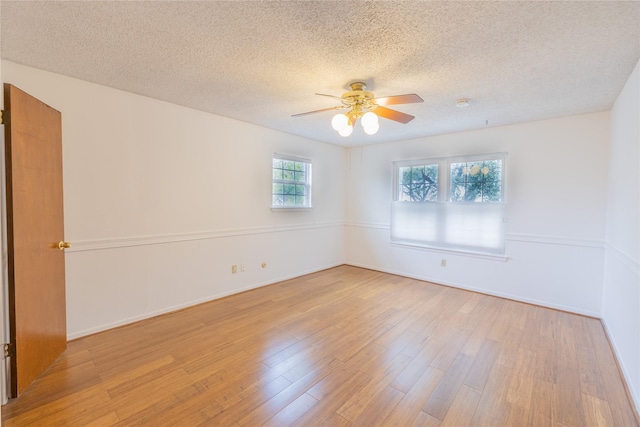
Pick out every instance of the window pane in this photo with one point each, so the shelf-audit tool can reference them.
(277, 188)
(287, 175)
(417, 173)
(479, 181)
(277, 174)
(300, 177)
(287, 164)
(458, 172)
(403, 194)
(473, 191)
(405, 175)
(299, 190)
(475, 174)
(492, 196)
(289, 200)
(277, 163)
(418, 183)
(457, 192)
(493, 170)
(289, 189)
(277, 200)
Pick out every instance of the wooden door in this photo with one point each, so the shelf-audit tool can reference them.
(35, 226)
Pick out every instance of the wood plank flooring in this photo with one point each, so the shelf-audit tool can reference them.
(341, 347)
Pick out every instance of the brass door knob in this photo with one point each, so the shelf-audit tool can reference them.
(63, 245)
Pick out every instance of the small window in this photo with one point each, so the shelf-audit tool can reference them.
(291, 182)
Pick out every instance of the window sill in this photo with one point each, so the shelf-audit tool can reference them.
(290, 209)
(472, 254)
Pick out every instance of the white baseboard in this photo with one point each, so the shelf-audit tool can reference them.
(540, 303)
(150, 314)
(633, 397)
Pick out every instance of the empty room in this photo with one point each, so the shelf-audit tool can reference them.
(331, 213)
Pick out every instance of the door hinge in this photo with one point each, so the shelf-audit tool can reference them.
(9, 350)
(4, 117)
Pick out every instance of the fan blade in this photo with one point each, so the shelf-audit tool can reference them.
(339, 107)
(394, 115)
(330, 96)
(410, 98)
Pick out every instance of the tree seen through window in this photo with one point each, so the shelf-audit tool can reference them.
(418, 183)
(477, 181)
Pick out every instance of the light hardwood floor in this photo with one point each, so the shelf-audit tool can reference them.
(342, 347)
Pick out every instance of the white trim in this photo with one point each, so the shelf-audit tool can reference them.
(123, 242)
(456, 158)
(363, 224)
(472, 254)
(291, 208)
(625, 375)
(554, 240)
(625, 259)
(515, 237)
(481, 290)
(291, 158)
(166, 310)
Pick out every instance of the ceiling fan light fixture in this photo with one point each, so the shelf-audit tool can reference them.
(361, 104)
(346, 131)
(339, 122)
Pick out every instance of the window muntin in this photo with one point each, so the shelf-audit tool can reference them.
(291, 182)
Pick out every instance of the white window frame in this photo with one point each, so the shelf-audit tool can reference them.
(308, 166)
(440, 210)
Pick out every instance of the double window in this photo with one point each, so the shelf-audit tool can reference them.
(450, 203)
(291, 182)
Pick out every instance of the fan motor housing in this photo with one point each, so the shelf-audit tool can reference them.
(358, 96)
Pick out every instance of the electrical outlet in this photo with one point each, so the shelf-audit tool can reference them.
(242, 269)
(234, 269)
(443, 263)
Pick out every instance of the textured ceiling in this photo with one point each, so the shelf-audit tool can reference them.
(261, 62)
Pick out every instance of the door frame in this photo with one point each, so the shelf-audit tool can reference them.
(5, 366)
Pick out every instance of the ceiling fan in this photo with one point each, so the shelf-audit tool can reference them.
(363, 104)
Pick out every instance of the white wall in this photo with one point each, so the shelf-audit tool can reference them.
(556, 192)
(160, 201)
(621, 293)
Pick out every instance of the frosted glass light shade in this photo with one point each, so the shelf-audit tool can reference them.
(370, 123)
(346, 131)
(339, 122)
(371, 129)
(369, 119)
